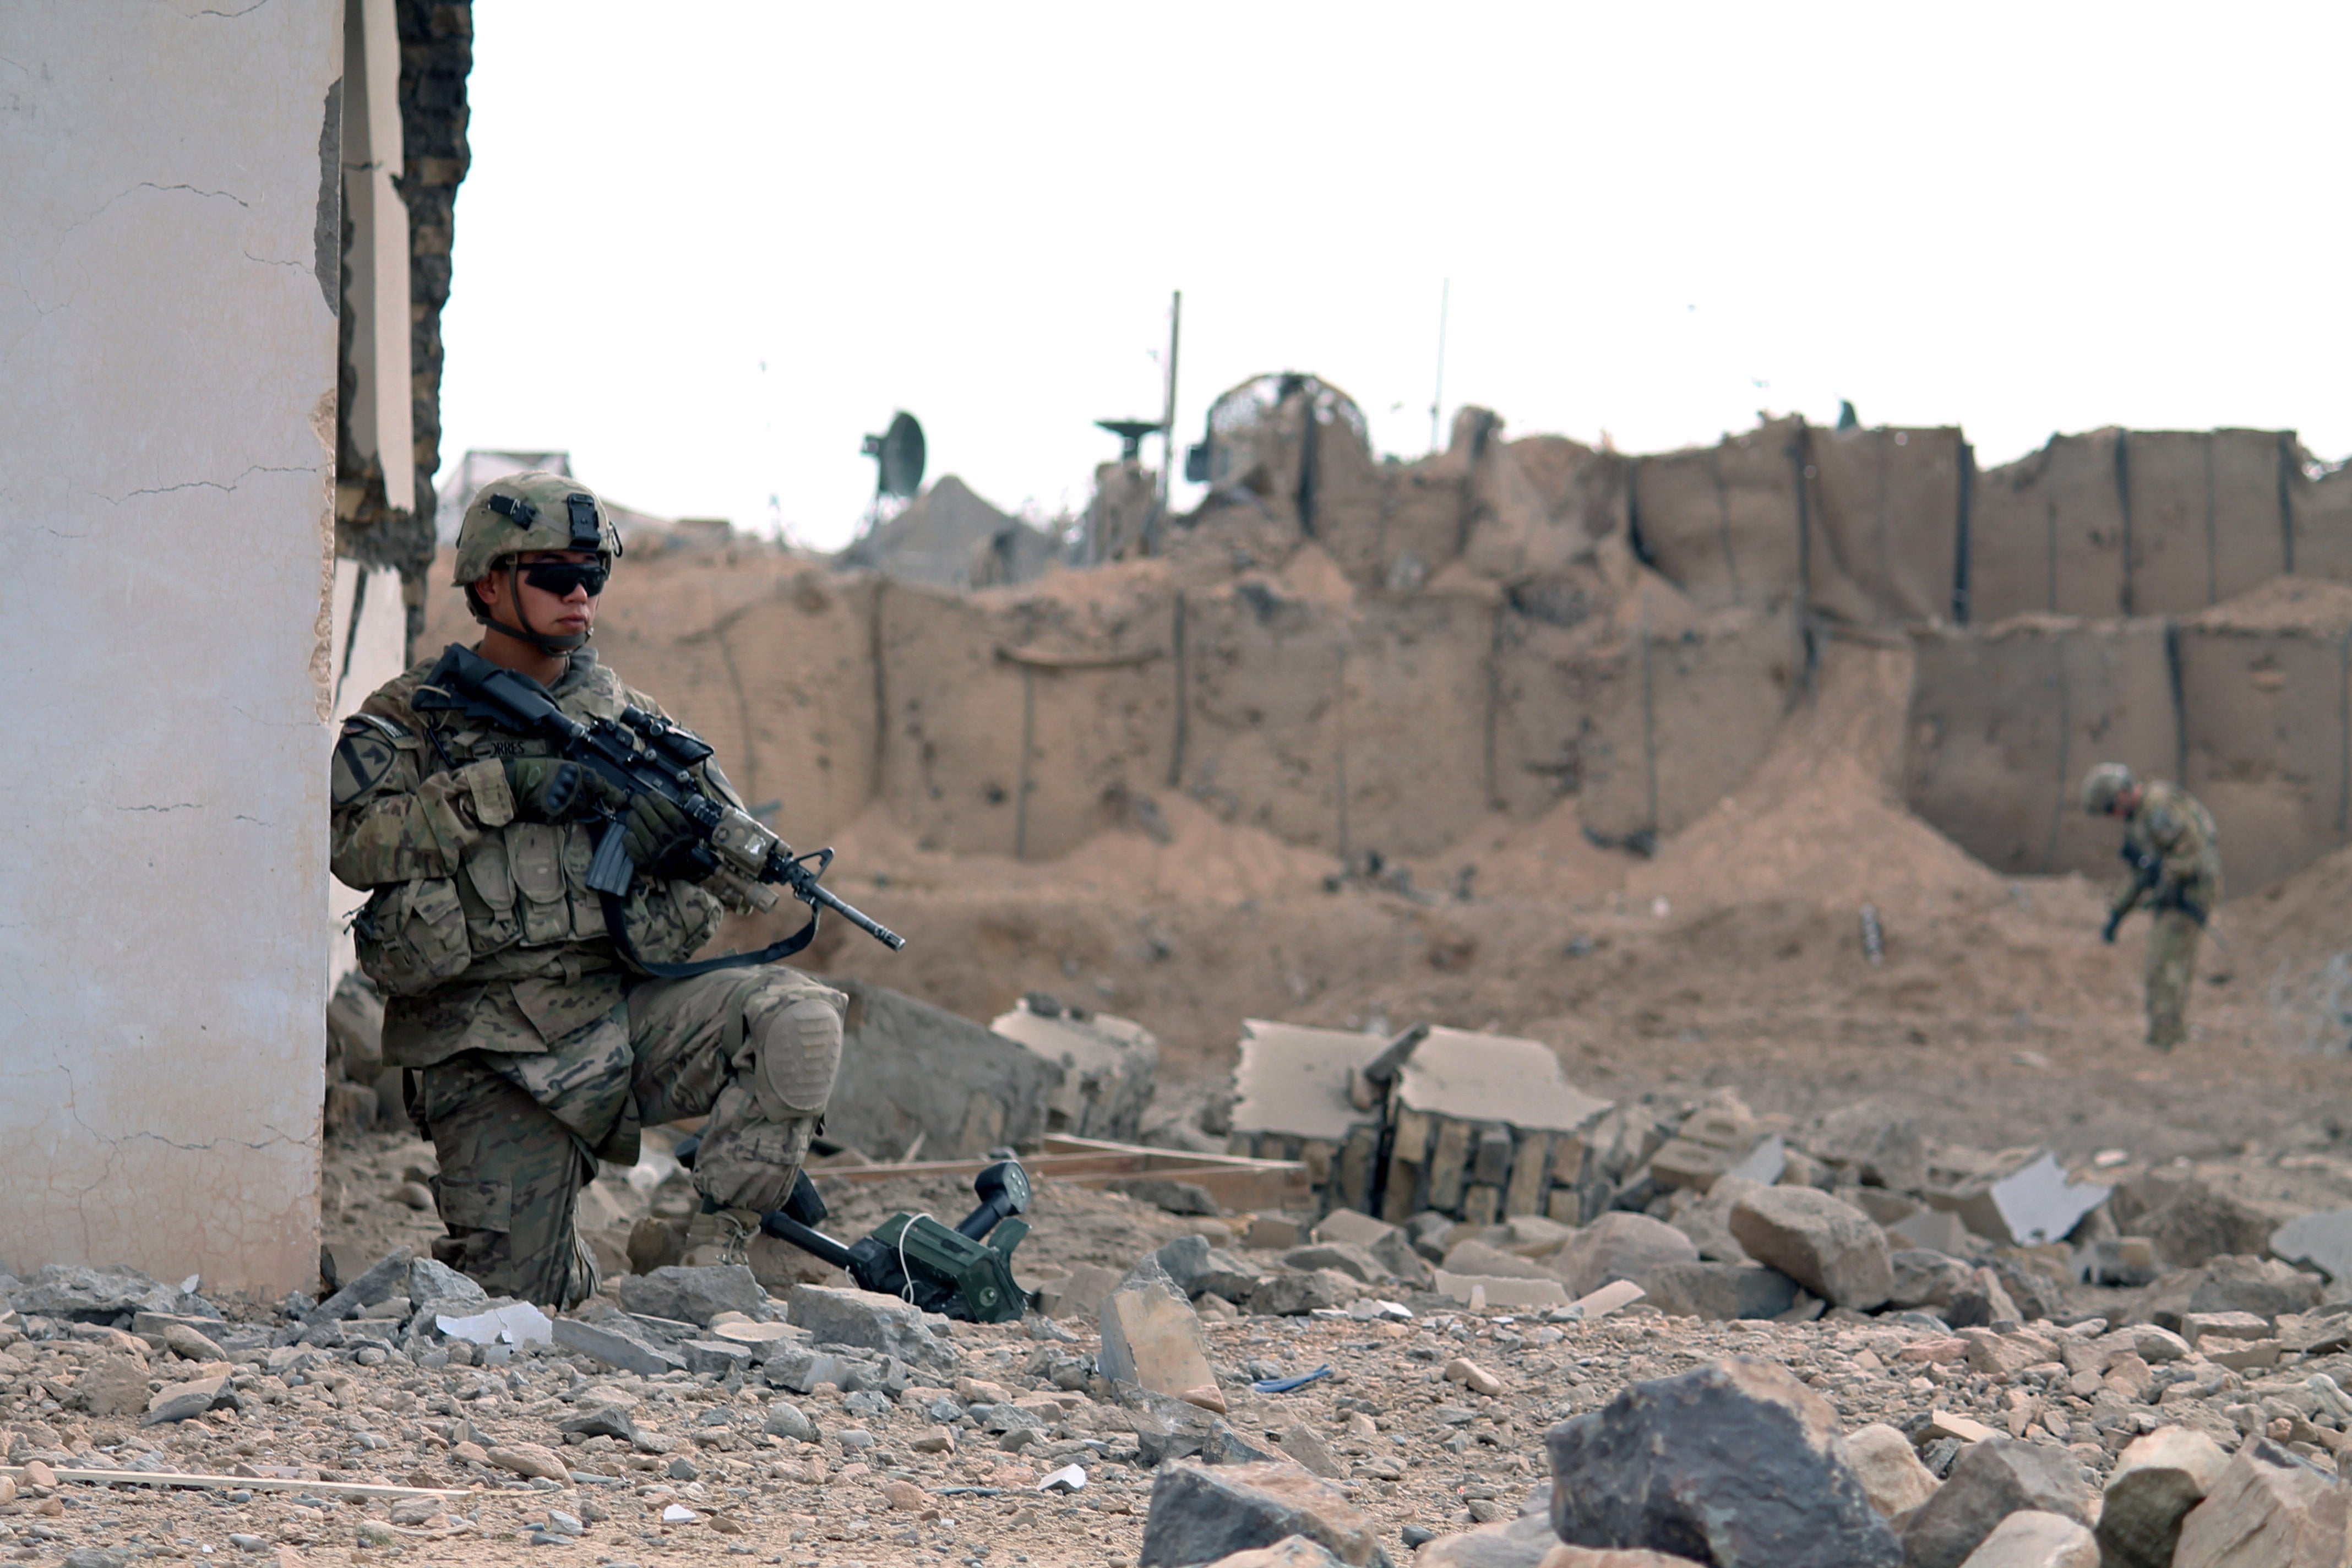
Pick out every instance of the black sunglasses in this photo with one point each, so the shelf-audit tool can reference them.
(560, 577)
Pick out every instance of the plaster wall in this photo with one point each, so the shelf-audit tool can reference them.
(168, 270)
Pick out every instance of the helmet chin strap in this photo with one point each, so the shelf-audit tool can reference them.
(543, 641)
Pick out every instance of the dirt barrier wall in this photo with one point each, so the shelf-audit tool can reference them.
(2250, 704)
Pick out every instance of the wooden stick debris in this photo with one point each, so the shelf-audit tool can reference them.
(232, 1483)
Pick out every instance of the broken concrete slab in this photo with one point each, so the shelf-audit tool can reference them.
(1199, 1514)
(2035, 1204)
(1990, 1481)
(2323, 1240)
(694, 1294)
(1295, 1295)
(92, 1295)
(1738, 1457)
(617, 1344)
(1080, 1293)
(1353, 1261)
(869, 1321)
(1471, 1077)
(1150, 1336)
(1475, 1256)
(1478, 1290)
(1294, 1081)
(1831, 1249)
(1109, 1066)
(2157, 1480)
(909, 1070)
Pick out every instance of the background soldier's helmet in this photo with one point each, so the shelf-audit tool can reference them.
(2103, 786)
(527, 512)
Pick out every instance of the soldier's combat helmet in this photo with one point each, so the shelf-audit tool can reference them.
(524, 512)
(2103, 786)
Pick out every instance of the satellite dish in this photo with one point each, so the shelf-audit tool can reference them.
(897, 455)
(1130, 434)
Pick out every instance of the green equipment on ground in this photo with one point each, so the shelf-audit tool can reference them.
(965, 1272)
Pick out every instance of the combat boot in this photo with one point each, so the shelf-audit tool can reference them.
(719, 1236)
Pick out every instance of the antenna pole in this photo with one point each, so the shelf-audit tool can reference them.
(1168, 415)
(1437, 399)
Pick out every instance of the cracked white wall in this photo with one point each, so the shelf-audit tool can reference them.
(167, 349)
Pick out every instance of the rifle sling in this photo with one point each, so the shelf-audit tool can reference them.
(617, 927)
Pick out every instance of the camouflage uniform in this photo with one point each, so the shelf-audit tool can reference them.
(533, 1049)
(2172, 828)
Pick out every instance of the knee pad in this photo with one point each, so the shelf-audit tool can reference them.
(799, 1047)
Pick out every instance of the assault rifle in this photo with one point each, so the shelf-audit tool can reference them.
(2147, 873)
(642, 754)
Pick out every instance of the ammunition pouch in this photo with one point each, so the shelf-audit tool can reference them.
(411, 936)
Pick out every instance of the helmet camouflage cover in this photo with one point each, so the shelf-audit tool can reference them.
(527, 512)
(2103, 786)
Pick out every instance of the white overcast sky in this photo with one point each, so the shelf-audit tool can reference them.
(708, 246)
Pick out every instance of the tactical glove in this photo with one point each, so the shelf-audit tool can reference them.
(657, 834)
(549, 789)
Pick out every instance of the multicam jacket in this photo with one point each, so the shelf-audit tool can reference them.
(2173, 828)
(480, 928)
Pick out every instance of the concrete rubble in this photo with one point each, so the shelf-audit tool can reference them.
(1315, 1399)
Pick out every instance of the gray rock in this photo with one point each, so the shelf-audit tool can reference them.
(1925, 1278)
(2263, 1286)
(2323, 1240)
(1168, 1429)
(870, 1322)
(1834, 1251)
(1356, 1262)
(1293, 1295)
(694, 1295)
(1425, 1232)
(182, 1401)
(615, 1345)
(1396, 1255)
(1299, 1441)
(92, 1295)
(1990, 1481)
(1001, 1418)
(1196, 1266)
(1722, 1292)
(2158, 1480)
(1708, 1221)
(715, 1358)
(430, 1279)
(603, 1421)
(386, 1278)
(1737, 1465)
(1522, 1543)
(801, 1369)
(1169, 1196)
(1878, 1143)
(2195, 1222)
(1476, 1256)
(1619, 1245)
(787, 1420)
(94, 1557)
(1201, 1514)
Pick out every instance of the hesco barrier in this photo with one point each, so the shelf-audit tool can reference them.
(2005, 722)
(1480, 647)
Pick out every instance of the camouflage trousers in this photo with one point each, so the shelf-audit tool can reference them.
(2171, 967)
(518, 1136)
